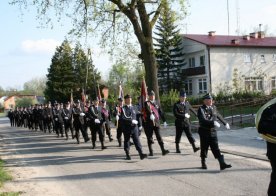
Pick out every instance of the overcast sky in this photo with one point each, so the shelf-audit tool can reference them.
(26, 50)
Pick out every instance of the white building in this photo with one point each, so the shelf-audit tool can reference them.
(213, 60)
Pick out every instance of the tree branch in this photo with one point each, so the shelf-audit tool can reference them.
(156, 15)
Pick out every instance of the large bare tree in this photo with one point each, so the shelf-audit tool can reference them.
(115, 21)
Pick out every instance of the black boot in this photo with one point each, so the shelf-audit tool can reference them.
(110, 137)
(177, 148)
(150, 149)
(164, 151)
(203, 164)
(194, 147)
(103, 147)
(93, 145)
(120, 143)
(127, 156)
(222, 164)
(142, 156)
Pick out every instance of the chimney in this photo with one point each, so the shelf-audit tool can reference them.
(261, 34)
(235, 41)
(254, 35)
(246, 37)
(211, 33)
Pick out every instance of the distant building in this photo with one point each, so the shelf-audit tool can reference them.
(8, 102)
(212, 61)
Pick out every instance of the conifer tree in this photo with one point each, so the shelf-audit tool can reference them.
(168, 49)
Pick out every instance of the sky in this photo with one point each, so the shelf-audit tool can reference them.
(26, 50)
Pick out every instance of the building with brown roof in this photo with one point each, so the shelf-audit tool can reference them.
(213, 61)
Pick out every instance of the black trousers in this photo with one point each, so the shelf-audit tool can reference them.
(132, 132)
(272, 185)
(94, 129)
(149, 129)
(208, 139)
(119, 132)
(80, 127)
(179, 130)
(58, 127)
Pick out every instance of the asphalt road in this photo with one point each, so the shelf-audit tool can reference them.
(45, 165)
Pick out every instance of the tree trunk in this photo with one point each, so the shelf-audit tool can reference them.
(150, 66)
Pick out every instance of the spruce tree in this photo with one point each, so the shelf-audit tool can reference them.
(60, 79)
(168, 49)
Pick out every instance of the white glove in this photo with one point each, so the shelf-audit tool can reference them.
(165, 124)
(82, 114)
(117, 117)
(227, 126)
(152, 117)
(97, 121)
(56, 119)
(216, 123)
(140, 128)
(66, 118)
(134, 122)
(187, 115)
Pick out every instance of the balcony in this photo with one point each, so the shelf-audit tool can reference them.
(194, 71)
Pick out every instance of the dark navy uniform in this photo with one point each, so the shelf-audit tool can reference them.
(79, 123)
(96, 125)
(181, 112)
(130, 129)
(208, 116)
(58, 121)
(106, 120)
(267, 125)
(153, 110)
(117, 113)
(67, 119)
(11, 117)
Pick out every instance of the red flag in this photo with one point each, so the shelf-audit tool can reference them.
(143, 97)
(99, 93)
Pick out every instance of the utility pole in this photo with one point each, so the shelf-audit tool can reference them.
(228, 17)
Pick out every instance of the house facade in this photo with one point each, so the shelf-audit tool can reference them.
(213, 62)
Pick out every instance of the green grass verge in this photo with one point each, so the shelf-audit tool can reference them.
(4, 175)
(10, 194)
(3, 115)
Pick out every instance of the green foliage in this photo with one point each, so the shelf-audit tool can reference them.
(168, 51)
(35, 86)
(70, 71)
(24, 102)
(10, 194)
(4, 176)
(168, 99)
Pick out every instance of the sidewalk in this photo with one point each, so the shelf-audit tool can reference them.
(244, 142)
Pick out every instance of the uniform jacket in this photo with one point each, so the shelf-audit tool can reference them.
(153, 108)
(128, 114)
(57, 115)
(207, 116)
(78, 119)
(179, 111)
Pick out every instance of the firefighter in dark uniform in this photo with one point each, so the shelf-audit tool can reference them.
(58, 120)
(117, 112)
(41, 117)
(181, 110)
(79, 122)
(106, 119)
(31, 118)
(48, 117)
(266, 126)
(208, 117)
(130, 128)
(66, 114)
(96, 123)
(152, 123)
(11, 117)
(35, 117)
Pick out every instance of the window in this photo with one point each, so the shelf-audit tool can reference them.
(274, 58)
(254, 84)
(273, 82)
(188, 87)
(192, 62)
(202, 86)
(202, 60)
(247, 58)
(262, 58)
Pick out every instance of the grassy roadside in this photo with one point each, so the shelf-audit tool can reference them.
(4, 177)
(2, 115)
